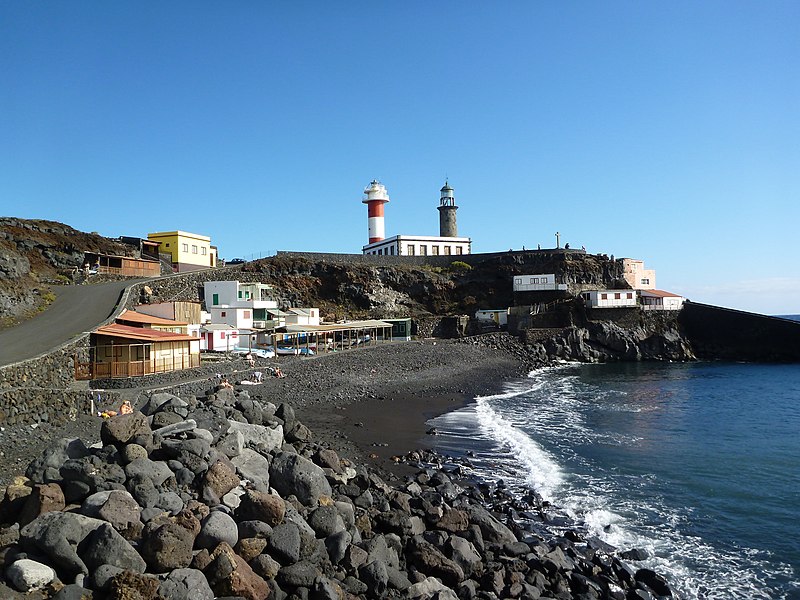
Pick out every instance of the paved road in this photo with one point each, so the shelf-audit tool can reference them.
(76, 309)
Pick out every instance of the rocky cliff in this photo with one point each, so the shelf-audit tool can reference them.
(35, 255)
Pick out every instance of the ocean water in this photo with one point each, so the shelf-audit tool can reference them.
(697, 463)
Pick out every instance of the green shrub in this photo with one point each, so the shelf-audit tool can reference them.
(460, 265)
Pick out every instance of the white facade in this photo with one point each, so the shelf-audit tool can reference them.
(637, 276)
(302, 316)
(233, 293)
(537, 283)
(218, 338)
(661, 300)
(238, 317)
(419, 245)
(497, 316)
(610, 298)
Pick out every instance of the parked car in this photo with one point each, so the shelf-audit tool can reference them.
(236, 261)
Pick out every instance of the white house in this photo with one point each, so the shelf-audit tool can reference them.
(537, 283)
(302, 316)
(248, 302)
(218, 337)
(660, 300)
(610, 298)
(238, 317)
(497, 316)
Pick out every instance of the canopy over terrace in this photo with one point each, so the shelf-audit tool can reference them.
(330, 336)
(118, 350)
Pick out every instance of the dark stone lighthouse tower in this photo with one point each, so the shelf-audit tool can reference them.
(447, 213)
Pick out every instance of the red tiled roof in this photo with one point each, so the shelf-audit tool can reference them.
(136, 317)
(142, 333)
(660, 294)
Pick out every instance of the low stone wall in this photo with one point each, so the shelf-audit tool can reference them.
(24, 406)
(53, 370)
(171, 378)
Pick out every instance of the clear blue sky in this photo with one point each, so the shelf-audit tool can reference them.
(663, 131)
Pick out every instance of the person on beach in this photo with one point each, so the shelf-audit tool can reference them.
(278, 373)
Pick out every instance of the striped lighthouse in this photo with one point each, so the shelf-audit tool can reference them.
(375, 197)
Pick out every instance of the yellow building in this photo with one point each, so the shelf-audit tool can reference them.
(190, 251)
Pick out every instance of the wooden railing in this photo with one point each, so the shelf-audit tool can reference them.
(135, 368)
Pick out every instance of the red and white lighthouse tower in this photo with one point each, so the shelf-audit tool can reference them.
(375, 197)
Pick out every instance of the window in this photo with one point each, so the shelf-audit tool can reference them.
(459, 250)
(518, 281)
(194, 249)
(603, 296)
(240, 293)
(435, 250)
(391, 250)
(215, 299)
(380, 252)
(222, 335)
(645, 281)
(629, 295)
(185, 247)
(411, 249)
(617, 296)
(223, 314)
(167, 244)
(447, 249)
(203, 250)
(246, 314)
(423, 250)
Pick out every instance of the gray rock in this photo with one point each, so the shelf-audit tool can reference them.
(131, 452)
(428, 588)
(327, 589)
(215, 528)
(465, 555)
(325, 521)
(27, 575)
(375, 577)
(102, 576)
(231, 444)
(185, 584)
(170, 502)
(117, 507)
(301, 574)
(263, 439)
(57, 534)
(397, 579)
(291, 474)
(173, 429)
(254, 467)
(378, 549)
(73, 591)
(492, 529)
(143, 468)
(93, 471)
(284, 543)
(428, 559)
(163, 401)
(336, 545)
(105, 546)
(45, 468)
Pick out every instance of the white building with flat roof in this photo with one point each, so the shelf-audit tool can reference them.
(541, 282)
(610, 298)
(447, 243)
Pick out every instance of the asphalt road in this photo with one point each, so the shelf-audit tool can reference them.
(76, 309)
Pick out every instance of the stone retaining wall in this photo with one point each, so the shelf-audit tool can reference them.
(24, 406)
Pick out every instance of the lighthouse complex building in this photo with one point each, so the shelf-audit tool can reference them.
(446, 243)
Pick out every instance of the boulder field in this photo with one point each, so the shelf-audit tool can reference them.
(226, 496)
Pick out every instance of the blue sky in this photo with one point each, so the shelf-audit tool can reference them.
(662, 131)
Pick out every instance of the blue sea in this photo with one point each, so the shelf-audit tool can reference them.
(697, 463)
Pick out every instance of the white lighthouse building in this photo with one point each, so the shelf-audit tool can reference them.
(375, 197)
(446, 243)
